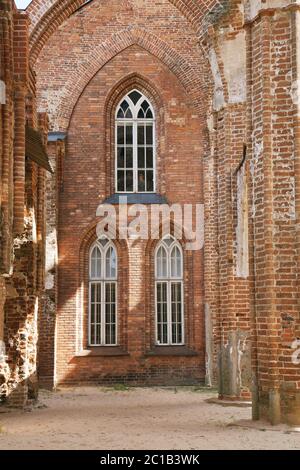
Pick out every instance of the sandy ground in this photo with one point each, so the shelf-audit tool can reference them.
(144, 419)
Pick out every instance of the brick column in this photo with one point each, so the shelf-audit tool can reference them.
(274, 170)
(21, 58)
(47, 323)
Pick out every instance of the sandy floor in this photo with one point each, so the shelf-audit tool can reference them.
(99, 418)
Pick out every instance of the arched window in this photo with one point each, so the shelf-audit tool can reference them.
(169, 292)
(103, 294)
(135, 145)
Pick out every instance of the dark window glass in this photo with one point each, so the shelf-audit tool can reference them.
(141, 181)
(121, 182)
(141, 157)
(149, 114)
(162, 316)
(110, 317)
(149, 157)
(120, 114)
(141, 136)
(129, 181)
(149, 135)
(121, 159)
(120, 137)
(128, 114)
(124, 106)
(150, 185)
(129, 157)
(145, 106)
(129, 136)
(134, 96)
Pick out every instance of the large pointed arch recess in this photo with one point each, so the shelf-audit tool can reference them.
(47, 15)
(79, 78)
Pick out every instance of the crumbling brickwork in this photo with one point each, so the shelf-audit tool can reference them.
(223, 76)
(22, 213)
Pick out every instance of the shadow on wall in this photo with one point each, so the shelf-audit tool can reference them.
(18, 367)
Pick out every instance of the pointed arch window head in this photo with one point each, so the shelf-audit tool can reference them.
(103, 294)
(135, 144)
(169, 293)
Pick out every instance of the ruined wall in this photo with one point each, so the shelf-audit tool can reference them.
(227, 288)
(273, 57)
(244, 56)
(22, 213)
(254, 56)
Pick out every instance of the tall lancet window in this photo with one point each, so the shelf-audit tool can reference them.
(169, 292)
(103, 294)
(135, 144)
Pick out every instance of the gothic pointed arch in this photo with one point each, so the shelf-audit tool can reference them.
(133, 81)
(48, 15)
(117, 43)
(90, 241)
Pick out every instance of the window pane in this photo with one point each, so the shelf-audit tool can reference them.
(121, 159)
(162, 313)
(149, 114)
(111, 263)
(149, 157)
(176, 312)
(176, 262)
(120, 135)
(96, 263)
(149, 135)
(161, 263)
(110, 314)
(141, 157)
(135, 96)
(124, 105)
(141, 114)
(129, 133)
(129, 157)
(121, 181)
(145, 105)
(120, 114)
(141, 138)
(128, 114)
(150, 182)
(141, 181)
(95, 309)
(129, 181)
(103, 242)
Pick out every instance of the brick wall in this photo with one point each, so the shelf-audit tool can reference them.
(22, 214)
(88, 147)
(225, 78)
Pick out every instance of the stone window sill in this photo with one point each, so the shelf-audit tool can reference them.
(137, 198)
(103, 351)
(171, 351)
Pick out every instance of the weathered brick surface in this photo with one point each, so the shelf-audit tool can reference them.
(22, 214)
(224, 79)
(249, 74)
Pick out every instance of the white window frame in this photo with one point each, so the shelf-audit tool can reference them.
(102, 281)
(135, 121)
(169, 281)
